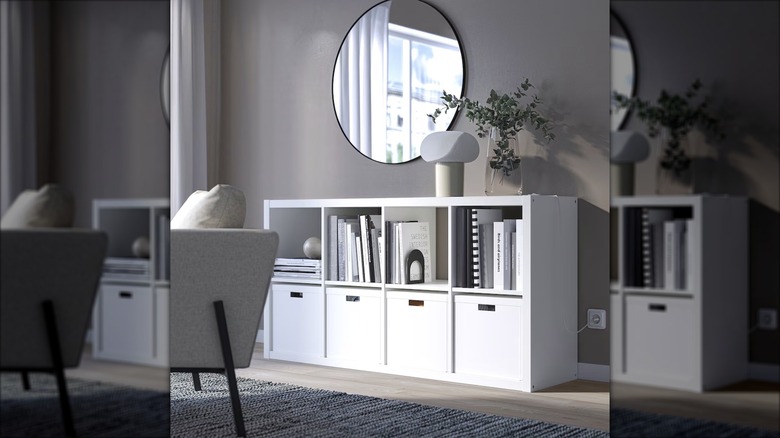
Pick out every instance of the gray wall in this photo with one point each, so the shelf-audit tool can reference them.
(281, 139)
(733, 48)
(109, 138)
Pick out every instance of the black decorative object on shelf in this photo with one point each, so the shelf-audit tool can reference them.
(415, 258)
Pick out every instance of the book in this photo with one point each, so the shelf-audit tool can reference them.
(415, 235)
(376, 238)
(333, 247)
(502, 268)
(486, 255)
(461, 236)
(367, 264)
(673, 237)
(479, 216)
(511, 255)
(519, 255)
(351, 231)
(343, 247)
(358, 264)
(652, 244)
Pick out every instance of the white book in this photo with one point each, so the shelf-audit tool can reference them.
(415, 235)
(351, 259)
(673, 232)
(689, 254)
(519, 255)
(359, 256)
(502, 268)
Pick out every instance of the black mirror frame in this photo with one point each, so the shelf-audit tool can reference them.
(463, 88)
(634, 86)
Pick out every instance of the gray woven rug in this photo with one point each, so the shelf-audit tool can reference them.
(99, 409)
(626, 423)
(282, 410)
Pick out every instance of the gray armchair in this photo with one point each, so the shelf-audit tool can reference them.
(49, 280)
(219, 283)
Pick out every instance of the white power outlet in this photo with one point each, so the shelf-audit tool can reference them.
(767, 319)
(597, 319)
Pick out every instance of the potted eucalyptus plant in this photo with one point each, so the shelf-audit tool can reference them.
(671, 118)
(500, 119)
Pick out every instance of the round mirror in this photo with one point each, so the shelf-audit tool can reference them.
(623, 68)
(390, 73)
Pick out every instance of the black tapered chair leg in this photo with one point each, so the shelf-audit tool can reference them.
(25, 380)
(230, 371)
(196, 381)
(57, 364)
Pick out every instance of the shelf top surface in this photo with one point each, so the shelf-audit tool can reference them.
(131, 203)
(411, 202)
(672, 200)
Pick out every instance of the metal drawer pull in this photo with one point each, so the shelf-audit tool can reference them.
(125, 294)
(486, 307)
(353, 298)
(296, 294)
(657, 307)
(417, 303)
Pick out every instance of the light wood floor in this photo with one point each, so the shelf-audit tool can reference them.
(578, 403)
(120, 373)
(750, 403)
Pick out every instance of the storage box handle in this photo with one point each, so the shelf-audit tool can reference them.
(486, 307)
(417, 303)
(125, 294)
(296, 294)
(353, 298)
(657, 307)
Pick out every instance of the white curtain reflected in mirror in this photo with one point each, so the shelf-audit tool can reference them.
(389, 75)
(362, 64)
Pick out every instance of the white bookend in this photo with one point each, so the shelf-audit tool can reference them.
(519, 255)
(415, 235)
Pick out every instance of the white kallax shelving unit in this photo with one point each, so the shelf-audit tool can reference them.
(130, 317)
(692, 337)
(523, 339)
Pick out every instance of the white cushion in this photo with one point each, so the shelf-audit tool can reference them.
(223, 206)
(50, 206)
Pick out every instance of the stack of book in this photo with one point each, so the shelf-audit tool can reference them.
(298, 268)
(355, 248)
(657, 243)
(402, 238)
(126, 268)
(489, 249)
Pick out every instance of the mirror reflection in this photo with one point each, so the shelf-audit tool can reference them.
(623, 68)
(390, 73)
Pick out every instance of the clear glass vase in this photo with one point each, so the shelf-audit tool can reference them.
(674, 182)
(496, 182)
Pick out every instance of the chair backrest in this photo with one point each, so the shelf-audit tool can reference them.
(61, 265)
(207, 265)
